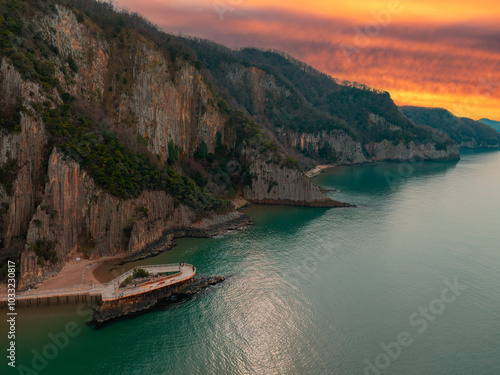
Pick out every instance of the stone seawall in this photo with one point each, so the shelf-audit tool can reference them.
(127, 306)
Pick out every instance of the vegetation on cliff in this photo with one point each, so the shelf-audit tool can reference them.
(25, 47)
(81, 78)
(491, 123)
(140, 110)
(465, 131)
(123, 172)
(45, 250)
(304, 100)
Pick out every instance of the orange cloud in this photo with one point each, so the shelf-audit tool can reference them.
(428, 53)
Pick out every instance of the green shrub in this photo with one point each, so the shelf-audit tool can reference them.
(138, 273)
(144, 211)
(173, 153)
(290, 162)
(201, 151)
(72, 64)
(8, 174)
(199, 180)
(45, 249)
(220, 149)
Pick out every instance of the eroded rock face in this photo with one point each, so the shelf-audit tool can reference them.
(343, 148)
(386, 150)
(25, 148)
(159, 106)
(294, 188)
(86, 45)
(29, 266)
(474, 143)
(165, 112)
(77, 215)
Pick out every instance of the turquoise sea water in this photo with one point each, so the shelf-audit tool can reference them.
(317, 291)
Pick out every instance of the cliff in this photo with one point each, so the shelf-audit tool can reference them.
(294, 187)
(79, 217)
(163, 101)
(388, 151)
(341, 148)
(313, 114)
(113, 141)
(335, 145)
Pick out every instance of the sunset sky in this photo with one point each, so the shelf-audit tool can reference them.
(429, 53)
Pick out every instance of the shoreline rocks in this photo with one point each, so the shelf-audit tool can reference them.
(208, 228)
(326, 203)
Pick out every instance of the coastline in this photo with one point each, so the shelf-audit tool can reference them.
(85, 272)
(207, 228)
(318, 170)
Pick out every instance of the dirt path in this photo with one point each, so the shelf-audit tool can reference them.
(74, 273)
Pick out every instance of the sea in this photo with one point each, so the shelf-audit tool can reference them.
(407, 282)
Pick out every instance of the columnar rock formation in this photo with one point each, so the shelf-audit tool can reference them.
(55, 201)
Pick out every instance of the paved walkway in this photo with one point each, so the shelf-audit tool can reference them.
(183, 273)
(111, 290)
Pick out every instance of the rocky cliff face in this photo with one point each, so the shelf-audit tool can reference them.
(78, 216)
(267, 96)
(85, 43)
(342, 148)
(347, 151)
(25, 148)
(262, 89)
(164, 112)
(474, 143)
(137, 86)
(265, 93)
(275, 183)
(388, 151)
